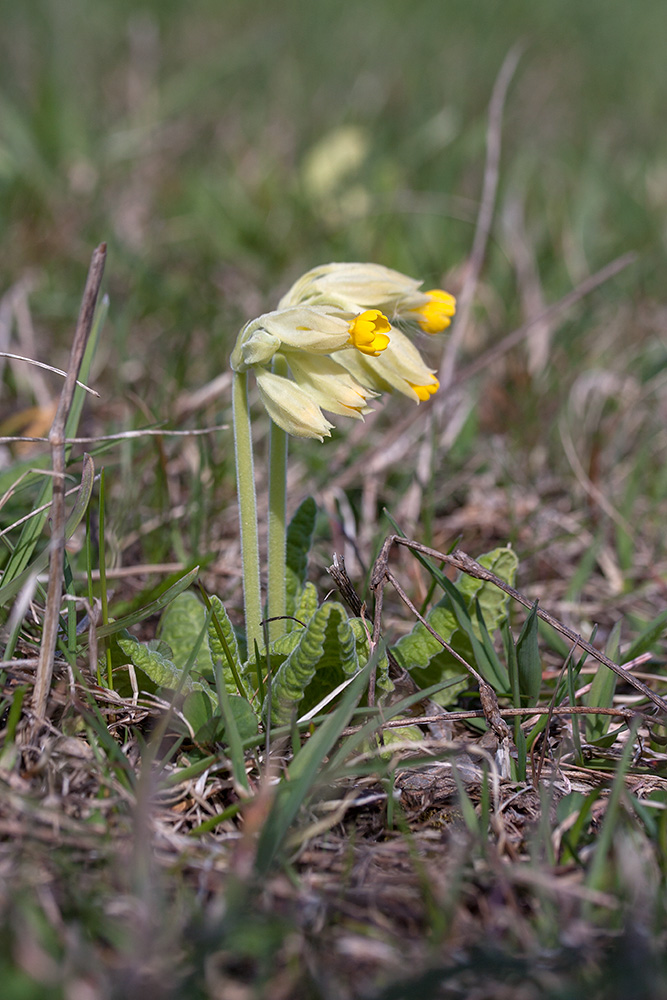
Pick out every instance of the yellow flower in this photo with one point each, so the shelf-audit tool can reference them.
(351, 287)
(337, 329)
(329, 385)
(368, 332)
(291, 407)
(436, 314)
(425, 391)
(314, 331)
(400, 367)
(354, 287)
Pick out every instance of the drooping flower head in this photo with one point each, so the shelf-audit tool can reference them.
(338, 329)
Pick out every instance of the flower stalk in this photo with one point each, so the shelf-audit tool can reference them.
(247, 500)
(278, 445)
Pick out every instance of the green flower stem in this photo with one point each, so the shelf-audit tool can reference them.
(278, 443)
(245, 485)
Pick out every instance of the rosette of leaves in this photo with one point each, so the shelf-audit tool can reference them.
(466, 617)
(197, 650)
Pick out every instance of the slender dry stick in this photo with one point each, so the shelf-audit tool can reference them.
(477, 254)
(463, 562)
(57, 443)
(507, 713)
(484, 220)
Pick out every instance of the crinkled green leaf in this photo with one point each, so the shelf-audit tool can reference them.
(307, 603)
(244, 716)
(399, 736)
(324, 657)
(153, 658)
(297, 549)
(209, 726)
(382, 680)
(455, 618)
(180, 626)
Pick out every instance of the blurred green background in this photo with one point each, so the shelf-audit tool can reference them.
(187, 135)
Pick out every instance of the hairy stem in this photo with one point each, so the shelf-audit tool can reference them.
(278, 443)
(245, 486)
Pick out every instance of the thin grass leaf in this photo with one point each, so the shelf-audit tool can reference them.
(598, 871)
(15, 575)
(498, 668)
(19, 564)
(648, 638)
(232, 736)
(572, 675)
(301, 773)
(528, 660)
(603, 686)
(14, 714)
(515, 687)
(470, 817)
(149, 609)
(104, 594)
(297, 549)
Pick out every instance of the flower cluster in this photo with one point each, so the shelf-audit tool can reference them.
(338, 330)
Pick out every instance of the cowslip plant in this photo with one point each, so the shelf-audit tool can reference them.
(339, 334)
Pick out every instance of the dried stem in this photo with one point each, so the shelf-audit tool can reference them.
(466, 564)
(484, 220)
(58, 443)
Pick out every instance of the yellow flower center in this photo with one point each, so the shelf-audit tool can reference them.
(425, 391)
(436, 314)
(368, 332)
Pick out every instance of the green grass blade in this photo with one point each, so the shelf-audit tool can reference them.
(149, 609)
(13, 583)
(528, 660)
(303, 770)
(652, 632)
(601, 694)
(232, 735)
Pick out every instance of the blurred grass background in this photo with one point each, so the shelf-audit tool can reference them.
(185, 135)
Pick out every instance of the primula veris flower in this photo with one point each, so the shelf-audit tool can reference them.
(436, 314)
(291, 407)
(368, 332)
(331, 386)
(338, 330)
(425, 392)
(312, 331)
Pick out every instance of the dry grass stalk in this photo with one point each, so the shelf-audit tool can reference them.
(57, 443)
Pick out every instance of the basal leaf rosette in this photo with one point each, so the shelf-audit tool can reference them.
(337, 330)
